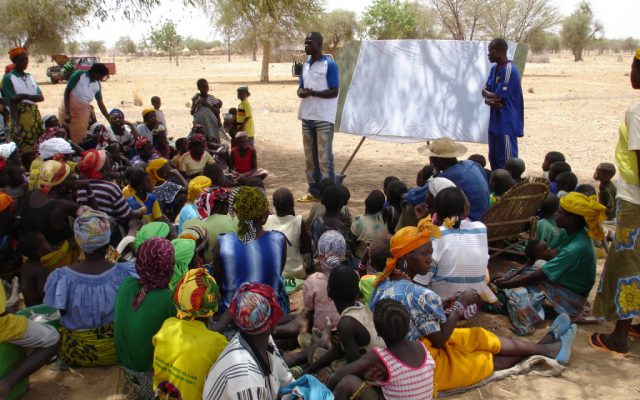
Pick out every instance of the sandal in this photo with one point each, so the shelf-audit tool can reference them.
(634, 331)
(596, 342)
(567, 340)
(308, 198)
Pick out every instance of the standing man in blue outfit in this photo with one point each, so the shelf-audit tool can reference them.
(319, 85)
(503, 93)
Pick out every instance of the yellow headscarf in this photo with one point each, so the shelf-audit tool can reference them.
(196, 187)
(147, 111)
(405, 241)
(53, 173)
(589, 208)
(638, 54)
(153, 168)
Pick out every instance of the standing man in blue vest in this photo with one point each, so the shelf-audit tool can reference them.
(503, 93)
(319, 84)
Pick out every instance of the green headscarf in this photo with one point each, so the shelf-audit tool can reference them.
(151, 230)
(184, 251)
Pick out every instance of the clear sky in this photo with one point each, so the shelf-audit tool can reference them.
(619, 17)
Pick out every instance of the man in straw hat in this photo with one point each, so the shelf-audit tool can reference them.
(469, 176)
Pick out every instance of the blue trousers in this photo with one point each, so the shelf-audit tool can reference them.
(317, 138)
(501, 148)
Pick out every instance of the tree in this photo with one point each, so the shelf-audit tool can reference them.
(197, 45)
(426, 21)
(629, 44)
(273, 22)
(125, 45)
(389, 19)
(461, 19)
(517, 20)
(166, 38)
(73, 47)
(579, 29)
(40, 25)
(338, 27)
(93, 47)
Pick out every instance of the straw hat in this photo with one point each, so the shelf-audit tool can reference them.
(443, 148)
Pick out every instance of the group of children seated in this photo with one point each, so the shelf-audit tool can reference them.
(172, 263)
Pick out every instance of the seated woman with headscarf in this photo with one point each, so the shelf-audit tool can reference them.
(168, 185)
(184, 348)
(251, 366)
(195, 188)
(564, 282)
(234, 260)
(22, 93)
(14, 182)
(192, 162)
(142, 306)
(82, 88)
(85, 294)
(121, 132)
(150, 125)
(54, 148)
(463, 356)
(49, 210)
(145, 152)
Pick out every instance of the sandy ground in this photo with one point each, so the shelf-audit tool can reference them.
(571, 107)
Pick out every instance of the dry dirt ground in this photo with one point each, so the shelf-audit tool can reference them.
(571, 107)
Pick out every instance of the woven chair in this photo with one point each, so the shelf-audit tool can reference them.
(512, 219)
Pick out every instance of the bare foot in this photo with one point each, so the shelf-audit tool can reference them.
(324, 339)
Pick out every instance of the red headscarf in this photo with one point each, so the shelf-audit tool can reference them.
(141, 141)
(91, 163)
(255, 308)
(154, 265)
(16, 51)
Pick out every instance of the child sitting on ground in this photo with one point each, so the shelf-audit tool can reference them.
(607, 190)
(556, 169)
(33, 245)
(547, 229)
(332, 219)
(586, 189)
(244, 161)
(481, 161)
(516, 167)
(499, 183)
(391, 214)
(346, 196)
(143, 198)
(182, 146)
(537, 252)
(550, 158)
(356, 333)
(385, 188)
(370, 226)
(376, 255)
(404, 369)
(566, 182)
(423, 175)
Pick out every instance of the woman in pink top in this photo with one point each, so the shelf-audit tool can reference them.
(404, 369)
(318, 306)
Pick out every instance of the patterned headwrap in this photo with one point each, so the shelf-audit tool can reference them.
(150, 230)
(184, 250)
(196, 187)
(589, 208)
(147, 111)
(141, 141)
(91, 164)
(154, 266)
(16, 51)
(53, 173)
(7, 149)
(255, 308)
(92, 230)
(196, 295)
(332, 249)
(198, 138)
(405, 241)
(207, 200)
(248, 204)
(153, 168)
(115, 111)
(197, 234)
(5, 201)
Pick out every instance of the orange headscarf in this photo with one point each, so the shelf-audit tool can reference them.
(5, 201)
(16, 51)
(405, 241)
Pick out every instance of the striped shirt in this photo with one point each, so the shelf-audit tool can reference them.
(404, 381)
(109, 199)
(238, 375)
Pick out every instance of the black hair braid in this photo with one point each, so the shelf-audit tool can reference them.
(391, 320)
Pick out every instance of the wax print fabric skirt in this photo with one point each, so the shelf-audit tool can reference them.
(618, 295)
(30, 127)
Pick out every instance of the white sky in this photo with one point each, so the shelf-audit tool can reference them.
(619, 18)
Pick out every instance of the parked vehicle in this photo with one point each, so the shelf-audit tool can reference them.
(55, 73)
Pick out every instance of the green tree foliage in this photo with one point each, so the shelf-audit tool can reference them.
(338, 27)
(518, 20)
(273, 22)
(630, 44)
(40, 25)
(166, 38)
(126, 45)
(461, 19)
(72, 47)
(93, 47)
(199, 46)
(390, 19)
(578, 29)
